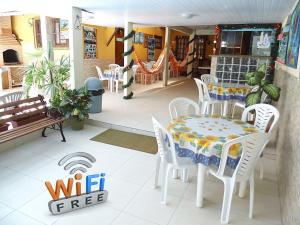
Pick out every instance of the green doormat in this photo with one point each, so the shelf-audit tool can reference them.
(124, 139)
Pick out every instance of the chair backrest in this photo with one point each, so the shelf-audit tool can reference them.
(266, 116)
(202, 91)
(11, 97)
(119, 73)
(208, 78)
(113, 67)
(183, 107)
(134, 68)
(165, 142)
(99, 71)
(252, 146)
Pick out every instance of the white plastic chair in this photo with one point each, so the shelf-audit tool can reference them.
(102, 77)
(11, 97)
(204, 99)
(183, 107)
(209, 78)
(266, 116)
(167, 157)
(252, 146)
(112, 67)
(134, 69)
(242, 105)
(118, 77)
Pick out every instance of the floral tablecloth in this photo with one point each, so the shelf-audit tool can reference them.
(228, 91)
(202, 138)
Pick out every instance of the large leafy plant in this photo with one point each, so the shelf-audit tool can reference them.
(75, 104)
(261, 85)
(48, 75)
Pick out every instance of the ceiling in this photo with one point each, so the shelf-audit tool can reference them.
(161, 12)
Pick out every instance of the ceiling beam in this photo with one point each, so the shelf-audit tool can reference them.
(182, 29)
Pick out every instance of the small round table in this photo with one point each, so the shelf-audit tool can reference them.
(201, 138)
(228, 91)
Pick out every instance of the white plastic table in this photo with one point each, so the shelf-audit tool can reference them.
(201, 138)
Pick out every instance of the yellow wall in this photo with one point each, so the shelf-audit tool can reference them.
(22, 27)
(103, 35)
(139, 48)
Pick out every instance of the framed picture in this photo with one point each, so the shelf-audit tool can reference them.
(158, 42)
(294, 38)
(139, 38)
(151, 48)
(146, 37)
(90, 43)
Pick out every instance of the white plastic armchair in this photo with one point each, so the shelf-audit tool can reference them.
(204, 99)
(266, 117)
(209, 78)
(183, 107)
(166, 157)
(11, 97)
(112, 67)
(102, 77)
(118, 78)
(252, 146)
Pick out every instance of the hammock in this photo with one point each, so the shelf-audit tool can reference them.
(156, 66)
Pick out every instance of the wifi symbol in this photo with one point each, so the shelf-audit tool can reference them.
(78, 165)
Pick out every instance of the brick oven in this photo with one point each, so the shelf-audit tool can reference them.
(11, 56)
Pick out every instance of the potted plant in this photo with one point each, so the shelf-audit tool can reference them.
(261, 85)
(55, 109)
(75, 105)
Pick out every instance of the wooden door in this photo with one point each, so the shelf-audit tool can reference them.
(119, 46)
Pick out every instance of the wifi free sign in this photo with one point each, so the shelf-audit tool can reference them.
(92, 184)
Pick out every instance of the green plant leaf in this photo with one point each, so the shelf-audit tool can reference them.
(272, 91)
(249, 75)
(259, 76)
(252, 81)
(253, 98)
(262, 68)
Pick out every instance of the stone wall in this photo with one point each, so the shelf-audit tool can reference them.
(288, 144)
(89, 66)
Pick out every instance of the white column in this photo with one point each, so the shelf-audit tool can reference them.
(46, 38)
(127, 59)
(167, 54)
(190, 57)
(76, 48)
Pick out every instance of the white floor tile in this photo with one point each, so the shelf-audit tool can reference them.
(4, 210)
(127, 219)
(146, 205)
(38, 209)
(20, 191)
(97, 214)
(120, 193)
(17, 218)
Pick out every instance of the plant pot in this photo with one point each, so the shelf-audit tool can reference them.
(54, 114)
(77, 124)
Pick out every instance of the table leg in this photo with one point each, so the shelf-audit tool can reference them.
(242, 190)
(225, 109)
(111, 85)
(200, 184)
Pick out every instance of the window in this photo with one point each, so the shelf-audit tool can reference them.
(58, 30)
(60, 33)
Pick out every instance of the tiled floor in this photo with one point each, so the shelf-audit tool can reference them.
(132, 199)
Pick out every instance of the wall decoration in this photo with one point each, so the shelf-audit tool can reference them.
(294, 38)
(283, 39)
(90, 43)
(151, 48)
(63, 30)
(158, 42)
(139, 38)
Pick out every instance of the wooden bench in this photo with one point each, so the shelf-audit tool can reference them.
(27, 116)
